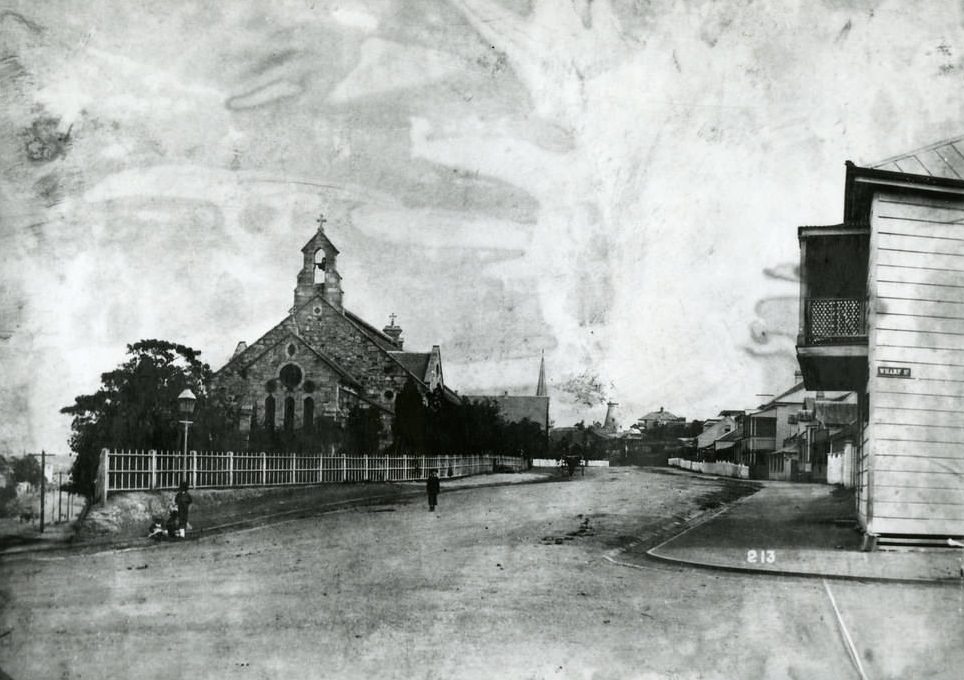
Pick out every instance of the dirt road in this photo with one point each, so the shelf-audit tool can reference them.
(507, 582)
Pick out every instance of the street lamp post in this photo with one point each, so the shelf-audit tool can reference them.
(185, 406)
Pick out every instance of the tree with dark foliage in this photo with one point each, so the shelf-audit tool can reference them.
(438, 424)
(363, 430)
(26, 469)
(408, 428)
(136, 407)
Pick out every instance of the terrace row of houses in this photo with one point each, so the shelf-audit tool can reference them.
(799, 435)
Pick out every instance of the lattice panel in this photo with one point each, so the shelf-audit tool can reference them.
(832, 318)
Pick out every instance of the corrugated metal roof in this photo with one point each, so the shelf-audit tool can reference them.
(942, 159)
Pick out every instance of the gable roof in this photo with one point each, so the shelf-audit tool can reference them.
(415, 363)
(659, 415)
(942, 159)
(248, 357)
(385, 344)
(715, 431)
(782, 398)
(411, 362)
(373, 333)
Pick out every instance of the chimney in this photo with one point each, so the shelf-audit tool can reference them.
(240, 348)
(660, 409)
(797, 377)
(393, 331)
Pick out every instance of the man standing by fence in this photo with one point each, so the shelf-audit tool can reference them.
(183, 502)
(433, 486)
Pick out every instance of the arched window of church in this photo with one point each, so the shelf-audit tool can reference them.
(309, 417)
(289, 414)
(269, 413)
(321, 263)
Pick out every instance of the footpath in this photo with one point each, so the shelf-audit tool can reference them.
(799, 530)
(125, 521)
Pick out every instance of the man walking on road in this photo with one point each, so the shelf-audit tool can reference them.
(432, 487)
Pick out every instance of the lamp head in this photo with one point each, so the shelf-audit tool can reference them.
(185, 403)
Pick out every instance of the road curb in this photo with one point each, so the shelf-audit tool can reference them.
(786, 573)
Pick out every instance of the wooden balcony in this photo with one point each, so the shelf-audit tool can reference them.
(832, 344)
(835, 321)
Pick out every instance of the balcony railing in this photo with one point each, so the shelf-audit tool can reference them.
(835, 321)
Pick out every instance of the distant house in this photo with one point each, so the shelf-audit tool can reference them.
(727, 447)
(766, 429)
(713, 430)
(660, 417)
(880, 314)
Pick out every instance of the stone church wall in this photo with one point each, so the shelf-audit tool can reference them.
(336, 336)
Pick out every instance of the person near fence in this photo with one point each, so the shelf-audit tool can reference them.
(183, 502)
(433, 486)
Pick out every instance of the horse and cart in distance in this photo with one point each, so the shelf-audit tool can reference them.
(570, 463)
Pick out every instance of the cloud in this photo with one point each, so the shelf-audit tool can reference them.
(441, 228)
(385, 66)
(355, 17)
(273, 91)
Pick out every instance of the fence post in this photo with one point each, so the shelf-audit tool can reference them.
(193, 469)
(231, 469)
(153, 480)
(264, 469)
(104, 478)
(321, 465)
(365, 478)
(294, 464)
(404, 468)
(344, 468)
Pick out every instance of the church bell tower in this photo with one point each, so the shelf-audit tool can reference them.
(319, 274)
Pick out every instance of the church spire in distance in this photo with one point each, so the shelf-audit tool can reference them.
(541, 390)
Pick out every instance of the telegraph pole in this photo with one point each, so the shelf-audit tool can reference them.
(60, 496)
(43, 487)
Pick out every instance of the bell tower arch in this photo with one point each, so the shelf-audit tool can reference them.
(319, 272)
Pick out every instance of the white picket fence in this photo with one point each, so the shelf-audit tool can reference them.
(555, 462)
(721, 469)
(149, 470)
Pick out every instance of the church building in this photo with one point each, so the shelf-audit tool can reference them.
(321, 359)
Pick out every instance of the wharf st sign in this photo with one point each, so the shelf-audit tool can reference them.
(893, 372)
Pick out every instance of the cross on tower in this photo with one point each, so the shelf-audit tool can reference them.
(321, 221)
(392, 318)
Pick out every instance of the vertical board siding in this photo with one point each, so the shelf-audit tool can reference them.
(915, 442)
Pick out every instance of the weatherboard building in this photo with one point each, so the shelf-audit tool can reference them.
(881, 313)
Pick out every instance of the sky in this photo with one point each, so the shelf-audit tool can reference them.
(615, 183)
